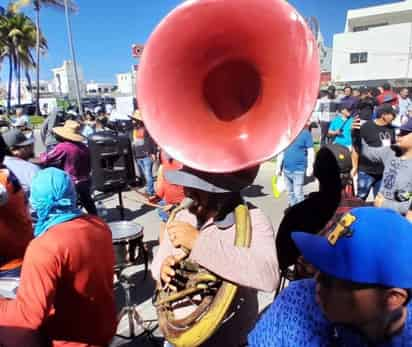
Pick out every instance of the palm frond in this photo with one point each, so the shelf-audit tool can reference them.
(59, 4)
(15, 6)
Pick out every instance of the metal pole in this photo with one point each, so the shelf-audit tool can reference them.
(70, 37)
(409, 59)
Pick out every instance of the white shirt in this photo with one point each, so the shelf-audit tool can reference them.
(109, 108)
(403, 106)
(114, 116)
(21, 121)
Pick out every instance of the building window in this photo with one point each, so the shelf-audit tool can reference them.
(367, 27)
(359, 58)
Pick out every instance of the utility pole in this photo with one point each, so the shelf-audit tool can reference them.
(70, 37)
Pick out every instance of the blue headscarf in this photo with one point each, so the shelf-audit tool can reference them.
(54, 199)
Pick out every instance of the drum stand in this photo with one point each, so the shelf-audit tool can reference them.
(120, 206)
(133, 315)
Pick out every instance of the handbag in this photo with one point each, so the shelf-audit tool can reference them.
(278, 185)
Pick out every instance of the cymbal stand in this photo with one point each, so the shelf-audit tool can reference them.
(133, 316)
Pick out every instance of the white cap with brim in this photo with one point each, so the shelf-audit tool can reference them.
(217, 183)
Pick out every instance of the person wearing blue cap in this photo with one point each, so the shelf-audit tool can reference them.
(396, 188)
(361, 294)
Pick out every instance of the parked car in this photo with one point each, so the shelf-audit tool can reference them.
(28, 109)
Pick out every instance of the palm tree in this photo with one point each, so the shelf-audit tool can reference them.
(23, 38)
(37, 5)
(7, 51)
(18, 39)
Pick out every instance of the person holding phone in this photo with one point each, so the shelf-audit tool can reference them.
(341, 127)
(374, 133)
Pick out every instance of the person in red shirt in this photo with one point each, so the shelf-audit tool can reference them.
(388, 96)
(171, 194)
(167, 194)
(66, 286)
(15, 223)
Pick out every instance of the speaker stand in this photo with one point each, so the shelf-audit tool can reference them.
(121, 206)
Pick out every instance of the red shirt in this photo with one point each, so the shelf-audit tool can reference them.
(171, 193)
(66, 285)
(15, 224)
(388, 95)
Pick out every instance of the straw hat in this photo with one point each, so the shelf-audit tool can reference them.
(70, 131)
(137, 116)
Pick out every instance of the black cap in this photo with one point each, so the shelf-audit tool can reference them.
(364, 90)
(15, 138)
(385, 109)
(348, 104)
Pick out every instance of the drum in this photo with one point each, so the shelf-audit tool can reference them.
(9, 286)
(127, 238)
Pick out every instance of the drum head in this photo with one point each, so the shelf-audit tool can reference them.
(125, 230)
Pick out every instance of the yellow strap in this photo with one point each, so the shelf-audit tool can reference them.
(210, 322)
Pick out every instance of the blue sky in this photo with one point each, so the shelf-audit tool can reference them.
(105, 30)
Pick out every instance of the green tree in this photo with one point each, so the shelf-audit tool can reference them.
(18, 39)
(37, 5)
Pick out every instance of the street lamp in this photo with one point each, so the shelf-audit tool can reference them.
(70, 37)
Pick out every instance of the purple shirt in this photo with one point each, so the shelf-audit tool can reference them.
(74, 158)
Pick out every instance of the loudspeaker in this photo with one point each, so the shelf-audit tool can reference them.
(111, 161)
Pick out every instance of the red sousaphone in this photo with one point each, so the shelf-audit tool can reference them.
(224, 85)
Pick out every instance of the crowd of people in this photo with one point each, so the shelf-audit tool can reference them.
(347, 256)
(52, 240)
(362, 121)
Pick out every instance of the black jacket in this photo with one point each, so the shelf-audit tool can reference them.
(366, 107)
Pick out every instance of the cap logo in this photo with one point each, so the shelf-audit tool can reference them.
(342, 229)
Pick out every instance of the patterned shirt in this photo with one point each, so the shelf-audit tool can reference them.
(295, 320)
(397, 176)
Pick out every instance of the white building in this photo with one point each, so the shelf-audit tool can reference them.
(375, 47)
(325, 53)
(46, 87)
(97, 88)
(64, 81)
(126, 83)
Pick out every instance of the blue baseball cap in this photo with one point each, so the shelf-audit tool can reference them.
(368, 245)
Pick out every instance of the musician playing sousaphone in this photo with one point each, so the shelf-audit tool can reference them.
(207, 229)
(222, 103)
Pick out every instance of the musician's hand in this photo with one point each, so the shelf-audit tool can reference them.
(153, 199)
(166, 271)
(182, 234)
